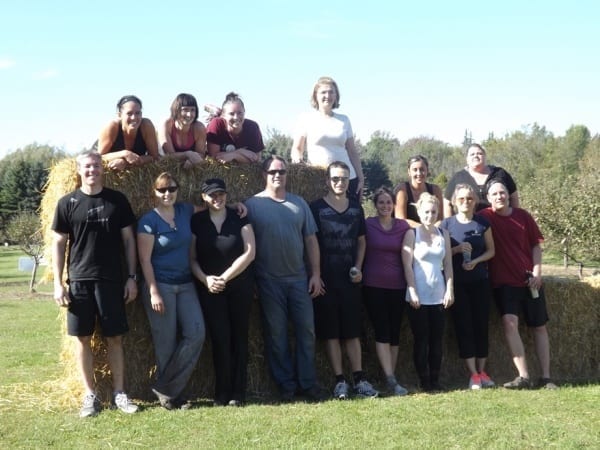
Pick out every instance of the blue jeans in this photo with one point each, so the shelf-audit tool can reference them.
(281, 301)
(175, 359)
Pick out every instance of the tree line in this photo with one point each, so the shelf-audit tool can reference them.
(557, 176)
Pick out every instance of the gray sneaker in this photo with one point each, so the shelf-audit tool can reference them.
(399, 390)
(122, 402)
(365, 389)
(341, 390)
(90, 406)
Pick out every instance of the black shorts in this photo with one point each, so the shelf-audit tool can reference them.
(96, 299)
(338, 312)
(510, 300)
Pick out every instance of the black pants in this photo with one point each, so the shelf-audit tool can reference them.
(427, 325)
(227, 316)
(470, 312)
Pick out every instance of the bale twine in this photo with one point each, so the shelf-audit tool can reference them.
(574, 306)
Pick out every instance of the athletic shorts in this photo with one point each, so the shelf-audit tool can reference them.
(96, 300)
(338, 312)
(511, 300)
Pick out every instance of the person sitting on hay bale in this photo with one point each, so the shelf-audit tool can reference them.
(231, 137)
(285, 232)
(168, 292)
(95, 221)
(128, 140)
(338, 312)
(516, 275)
(183, 136)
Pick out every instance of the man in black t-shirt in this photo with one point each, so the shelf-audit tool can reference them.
(341, 235)
(95, 222)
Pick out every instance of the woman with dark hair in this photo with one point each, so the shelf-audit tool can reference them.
(232, 137)
(408, 193)
(222, 251)
(326, 136)
(384, 283)
(128, 140)
(182, 136)
(164, 238)
(478, 174)
(472, 246)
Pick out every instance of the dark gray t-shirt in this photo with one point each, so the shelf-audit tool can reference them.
(280, 228)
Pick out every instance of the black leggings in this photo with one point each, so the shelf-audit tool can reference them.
(470, 312)
(227, 316)
(427, 325)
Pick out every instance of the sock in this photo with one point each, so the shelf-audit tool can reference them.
(358, 376)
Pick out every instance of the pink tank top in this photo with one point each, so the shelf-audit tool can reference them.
(189, 143)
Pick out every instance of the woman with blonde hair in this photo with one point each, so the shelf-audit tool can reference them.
(427, 260)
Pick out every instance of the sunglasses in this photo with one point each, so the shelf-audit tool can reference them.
(338, 179)
(171, 189)
(277, 172)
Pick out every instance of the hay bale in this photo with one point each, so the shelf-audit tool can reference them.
(574, 306)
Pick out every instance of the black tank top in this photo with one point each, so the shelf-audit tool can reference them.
(411, 209)
(139, 146)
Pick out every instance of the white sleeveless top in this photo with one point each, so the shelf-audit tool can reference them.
(428, 262)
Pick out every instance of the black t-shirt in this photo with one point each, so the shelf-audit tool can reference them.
(215, 252)
(93, 224)
(464, 177)
(338, 236)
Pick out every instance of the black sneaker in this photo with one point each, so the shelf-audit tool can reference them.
(316, 393)
(518, 383)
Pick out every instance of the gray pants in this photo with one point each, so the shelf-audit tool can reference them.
(175, 359)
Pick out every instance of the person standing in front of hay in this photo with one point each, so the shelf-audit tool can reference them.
(130, 139)
(408, 193)
(516, 275)
(338, 318)
(231, 137)
(95, 222)
(472, 246)
(477, 174)
(223, 248)
(326, 136)
(427, 261)
(384, 283)
(285, 233)
(164, 238)
(183, 136)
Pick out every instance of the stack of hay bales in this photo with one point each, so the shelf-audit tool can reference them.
(574, 306)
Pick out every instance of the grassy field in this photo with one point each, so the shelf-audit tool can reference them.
(31, 415)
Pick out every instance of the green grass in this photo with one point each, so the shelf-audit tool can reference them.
(30, 340)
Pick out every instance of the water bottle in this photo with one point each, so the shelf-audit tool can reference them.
(353, 272)
(466, 256)
(534, 292)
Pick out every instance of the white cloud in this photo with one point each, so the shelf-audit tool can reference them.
(45, 74)
(6, 63)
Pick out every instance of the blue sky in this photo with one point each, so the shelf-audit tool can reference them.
(431, 68)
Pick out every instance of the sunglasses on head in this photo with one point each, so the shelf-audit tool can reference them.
(171, 189)
(277, 172)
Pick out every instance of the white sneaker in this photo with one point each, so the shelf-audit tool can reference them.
(475, 382)
(365, 389)
(90, 406)
(341, 390)
(122, 402)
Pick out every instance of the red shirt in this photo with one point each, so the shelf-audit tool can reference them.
(514, 238)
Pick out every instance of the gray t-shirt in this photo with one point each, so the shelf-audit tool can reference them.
(280, 228)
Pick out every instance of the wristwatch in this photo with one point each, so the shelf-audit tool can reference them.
(133, 276)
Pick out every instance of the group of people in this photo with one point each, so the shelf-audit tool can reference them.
(495, 252)
(314, 265)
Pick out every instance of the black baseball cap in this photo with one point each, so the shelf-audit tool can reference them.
(213, 185)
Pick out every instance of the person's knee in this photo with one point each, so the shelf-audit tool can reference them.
(510, 323)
